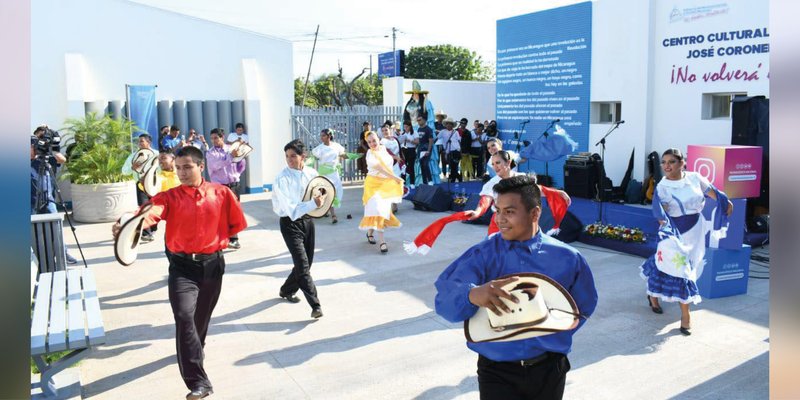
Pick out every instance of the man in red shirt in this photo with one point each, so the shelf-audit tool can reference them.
(200, 216)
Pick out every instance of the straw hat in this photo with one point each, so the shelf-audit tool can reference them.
(316, 186)
(544, 307)
(127, 241)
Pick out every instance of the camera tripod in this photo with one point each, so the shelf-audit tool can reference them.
(45, 172)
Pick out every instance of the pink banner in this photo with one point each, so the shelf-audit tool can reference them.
(736, 170)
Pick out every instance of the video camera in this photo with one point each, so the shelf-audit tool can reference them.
(45, 142)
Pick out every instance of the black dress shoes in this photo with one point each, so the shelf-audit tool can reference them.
(316, 313)
(289, 297)
(656, 309)
(200, 393)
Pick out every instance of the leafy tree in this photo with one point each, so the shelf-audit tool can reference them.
(334, 90)
(446, 62)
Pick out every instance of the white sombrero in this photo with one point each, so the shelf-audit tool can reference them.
(544, 307)
(143, 157)
(151, 181)
(320, 185)
(127, 242)
(243, 148)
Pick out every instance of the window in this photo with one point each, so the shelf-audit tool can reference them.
(718, 105)
(606, 112)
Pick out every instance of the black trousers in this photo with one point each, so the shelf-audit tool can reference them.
(442, 158)
(194, 289)
(411, 156)
(425, 169)
(234, 186)
(508, 381)
(477, 161)
(454, 159)
(299, 238)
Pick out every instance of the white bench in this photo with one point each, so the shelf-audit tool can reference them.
(47, 241)
(66, 317)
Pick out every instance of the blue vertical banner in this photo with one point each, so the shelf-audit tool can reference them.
(543, 74)
(142, 110)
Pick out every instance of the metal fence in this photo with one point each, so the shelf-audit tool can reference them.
(346, 122)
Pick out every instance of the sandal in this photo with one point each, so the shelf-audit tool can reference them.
(371, 239)
(384, 248)
(335, 220)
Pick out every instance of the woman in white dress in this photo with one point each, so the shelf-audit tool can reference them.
(494, 145)
(390, 141)
(329, 153)
(678, 203)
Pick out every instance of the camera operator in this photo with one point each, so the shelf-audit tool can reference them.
(45, 160)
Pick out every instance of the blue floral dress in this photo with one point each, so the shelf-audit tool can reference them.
(683, 200)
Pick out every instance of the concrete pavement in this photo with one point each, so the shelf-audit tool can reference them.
(380, 339)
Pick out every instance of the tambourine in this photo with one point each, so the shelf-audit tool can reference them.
(316, 186)
(544, 307)
(127, 242)
(143, 157)
(243, 148)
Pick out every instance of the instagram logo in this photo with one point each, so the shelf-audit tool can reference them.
(706, 168)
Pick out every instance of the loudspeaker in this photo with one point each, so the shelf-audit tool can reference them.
(750, 127)
(471, 204)
(581, 181)
(571, 226)
(431, 198)
(760, 224)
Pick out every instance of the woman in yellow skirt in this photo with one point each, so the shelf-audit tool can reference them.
(382, 188)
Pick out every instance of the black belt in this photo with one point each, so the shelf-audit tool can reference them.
(198, 256)
(304, 217)
(525, 363)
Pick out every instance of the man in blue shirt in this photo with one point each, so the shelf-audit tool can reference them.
(172, 142)
(533, 368)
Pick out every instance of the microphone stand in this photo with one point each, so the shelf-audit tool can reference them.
(600, 191)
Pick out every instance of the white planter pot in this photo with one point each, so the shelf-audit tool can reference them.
(104, 202)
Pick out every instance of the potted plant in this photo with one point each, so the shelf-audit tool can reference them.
(100, 191)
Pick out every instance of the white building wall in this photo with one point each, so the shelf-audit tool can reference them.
(677, 120)
(467, 99)
(118, 42)
(630, 64)
(620, 49)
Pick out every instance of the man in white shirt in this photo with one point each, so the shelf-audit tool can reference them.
(197, 140)
(409, 140)
(296, 226)
(451, 143)
(238, 134)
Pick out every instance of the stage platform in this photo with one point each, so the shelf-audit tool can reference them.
(589, 211)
